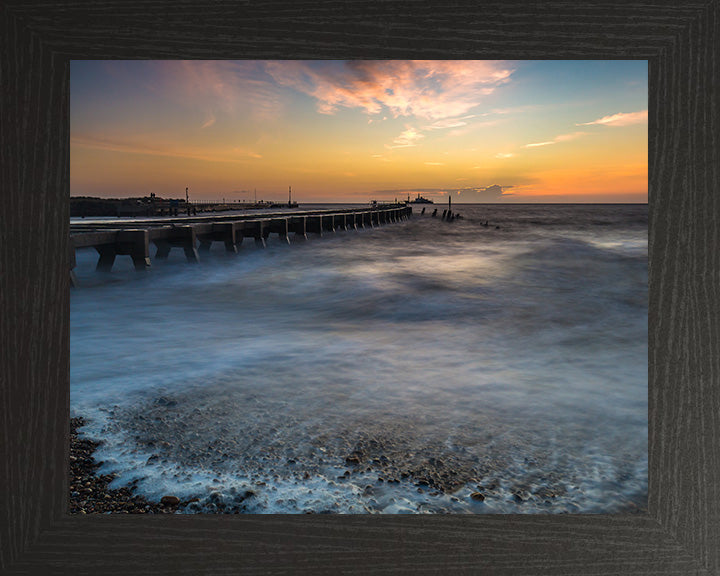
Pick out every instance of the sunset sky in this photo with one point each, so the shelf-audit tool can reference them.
(354, 131)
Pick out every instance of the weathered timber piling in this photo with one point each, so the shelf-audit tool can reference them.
(195, 235)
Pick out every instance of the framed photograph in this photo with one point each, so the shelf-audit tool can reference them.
(655, 515)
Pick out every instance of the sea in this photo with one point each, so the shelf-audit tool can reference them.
(493, 364)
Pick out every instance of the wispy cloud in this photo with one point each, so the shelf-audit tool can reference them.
(503, 155)
(571, 136)
(449, 123)
(221, 86)
(430, 89)
(407, 138)
(494, 192)
(538, 144)
(515, 109)
(620, 119)
(203, 154)
(209, 122)
(434, 163)
(560, 138)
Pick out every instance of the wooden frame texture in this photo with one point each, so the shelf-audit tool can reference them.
(681, 532)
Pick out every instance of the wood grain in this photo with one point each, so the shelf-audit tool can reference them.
(681, 533)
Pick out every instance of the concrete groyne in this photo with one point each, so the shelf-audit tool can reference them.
(195, 235)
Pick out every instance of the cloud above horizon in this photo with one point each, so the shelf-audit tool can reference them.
(465, 194)
(233, 154)
(560, 138)
(429, 89)
(406, 139)
(219, 88)
(620, 119)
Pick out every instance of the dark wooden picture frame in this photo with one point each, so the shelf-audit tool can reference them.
(681, 532)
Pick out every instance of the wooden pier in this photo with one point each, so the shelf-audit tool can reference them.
(195, 235)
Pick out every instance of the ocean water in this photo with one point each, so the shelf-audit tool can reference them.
(390, 370)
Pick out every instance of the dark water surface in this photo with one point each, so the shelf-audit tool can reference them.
(396, 369)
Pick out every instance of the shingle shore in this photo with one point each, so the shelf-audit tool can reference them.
(89, 492)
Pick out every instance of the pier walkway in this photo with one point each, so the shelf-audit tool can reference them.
(195, 234)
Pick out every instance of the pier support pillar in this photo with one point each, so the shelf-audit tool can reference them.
(230, 233)
(298, 225)
(191, 254)
(107, 257)
(178, 237)
(328, 222)
(136, 244)
(340, 221)
(163, 249)
(256, 229)
(315, 224)
(280, 227)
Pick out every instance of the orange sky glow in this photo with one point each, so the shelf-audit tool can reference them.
(354, 131)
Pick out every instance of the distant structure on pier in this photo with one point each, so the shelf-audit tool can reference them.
(290, 203)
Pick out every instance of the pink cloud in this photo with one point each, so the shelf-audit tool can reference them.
(432, 89)
(620, 119)
(221, 86)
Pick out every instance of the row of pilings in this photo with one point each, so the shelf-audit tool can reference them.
(195, 236)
